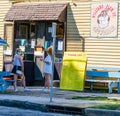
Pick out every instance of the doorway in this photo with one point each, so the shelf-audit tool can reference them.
(31, 35)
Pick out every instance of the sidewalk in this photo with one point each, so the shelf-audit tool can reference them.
(38, 100)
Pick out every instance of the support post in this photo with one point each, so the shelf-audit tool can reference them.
(53, 53)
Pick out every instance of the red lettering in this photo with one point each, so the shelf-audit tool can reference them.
(109, 8)
(71, 54)
(79, 54)
(96, 10)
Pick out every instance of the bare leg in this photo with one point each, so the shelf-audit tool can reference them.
(45, 80)
(48, 81)
(23, 81)
(15, 83)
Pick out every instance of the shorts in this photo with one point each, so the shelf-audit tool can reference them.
(15, 68)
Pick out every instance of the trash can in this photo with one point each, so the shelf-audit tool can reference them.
(29, 72)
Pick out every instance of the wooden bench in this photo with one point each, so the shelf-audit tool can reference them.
(106, 75)
(5, 82)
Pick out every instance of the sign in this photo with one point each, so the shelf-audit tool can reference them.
(73, 71)
(32, 43)
(8, 52)
(60, 46)
(49, 29)
(104, 19)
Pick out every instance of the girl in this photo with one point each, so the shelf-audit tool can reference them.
(47, 68)
(18, 69)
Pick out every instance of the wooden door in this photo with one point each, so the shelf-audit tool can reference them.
(40, 33)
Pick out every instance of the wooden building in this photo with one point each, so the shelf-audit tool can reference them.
(75, 27)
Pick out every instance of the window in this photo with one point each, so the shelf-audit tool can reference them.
(23, 32)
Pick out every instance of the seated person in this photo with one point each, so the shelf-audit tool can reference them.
(18, 69)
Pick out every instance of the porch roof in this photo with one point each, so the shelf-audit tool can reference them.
(37, 12)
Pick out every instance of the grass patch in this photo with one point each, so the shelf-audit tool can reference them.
(94, 98)
(108, 106)
(89, 98)
(113, 104)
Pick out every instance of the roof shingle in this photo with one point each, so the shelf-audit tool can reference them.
(39, 11)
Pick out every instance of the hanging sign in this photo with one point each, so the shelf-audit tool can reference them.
(104, 19)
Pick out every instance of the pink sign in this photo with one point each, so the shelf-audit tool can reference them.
(104, 19)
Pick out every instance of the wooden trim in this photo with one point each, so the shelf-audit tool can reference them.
(11, 36)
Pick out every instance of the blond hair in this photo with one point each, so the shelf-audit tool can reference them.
(17, 50)
(49, 50)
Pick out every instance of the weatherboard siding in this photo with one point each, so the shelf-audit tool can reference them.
(103, 52)
(4, 7)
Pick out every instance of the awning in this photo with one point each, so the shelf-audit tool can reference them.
(37, 12)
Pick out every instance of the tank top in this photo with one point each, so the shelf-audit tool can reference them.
(48, 67)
